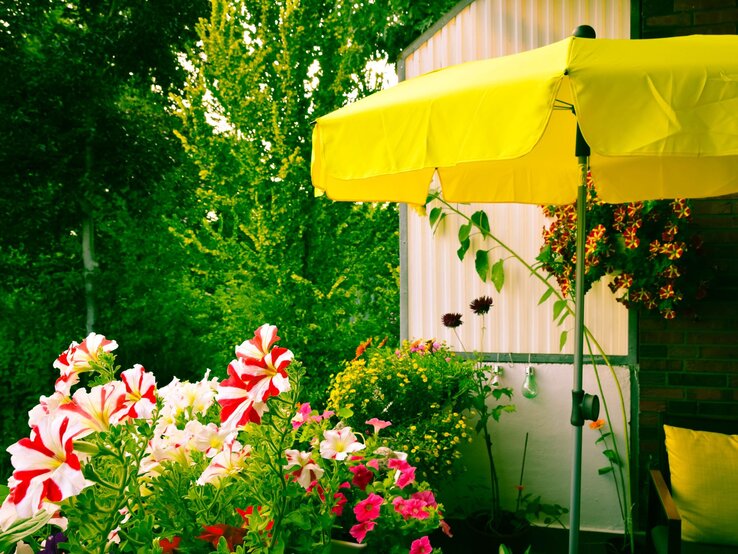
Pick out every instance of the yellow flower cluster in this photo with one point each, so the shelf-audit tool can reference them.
(420, 388)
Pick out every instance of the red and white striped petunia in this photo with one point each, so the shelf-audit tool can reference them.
(266, 377)
(258, 347)
(254, 376)
(46, 466)
(228, 461)
(306, 470)
(140, 387)
(78, 357)
(98, 409)
(237, 405)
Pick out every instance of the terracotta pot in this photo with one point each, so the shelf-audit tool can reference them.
(345, 547)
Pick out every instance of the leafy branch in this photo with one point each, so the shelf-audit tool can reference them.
(477, 224)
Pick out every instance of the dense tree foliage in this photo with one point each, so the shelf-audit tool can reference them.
(193, 182)
(271, 250)
(86, 144)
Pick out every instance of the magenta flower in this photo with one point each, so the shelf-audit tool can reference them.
(368, 509)
(362, 476)
(405, 472)
(421, 546)
(410, 508)
(360, 530)
(340, 503)
(425, 496)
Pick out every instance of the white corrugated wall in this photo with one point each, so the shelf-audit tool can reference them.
(437, 282)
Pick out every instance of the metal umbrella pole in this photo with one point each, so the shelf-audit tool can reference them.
(583, 406)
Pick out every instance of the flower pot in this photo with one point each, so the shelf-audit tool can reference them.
(619, 545)
(345, 547)
(482, 539)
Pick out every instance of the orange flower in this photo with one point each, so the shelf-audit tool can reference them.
(599, 424)
(362, 348)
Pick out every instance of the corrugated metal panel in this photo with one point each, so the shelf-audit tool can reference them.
(437, 282)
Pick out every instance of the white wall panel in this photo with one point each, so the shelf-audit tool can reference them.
(437, 281)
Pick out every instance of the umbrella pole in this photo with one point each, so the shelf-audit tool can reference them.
(577, 392)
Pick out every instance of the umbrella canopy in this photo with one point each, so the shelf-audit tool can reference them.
(660, 115)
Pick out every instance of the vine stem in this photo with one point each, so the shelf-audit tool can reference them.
(590, 338)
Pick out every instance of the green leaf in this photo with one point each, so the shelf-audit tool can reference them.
(481, 263)
(612, 456)
(461, 252)
(604, 470)
(481, 221)
(464, 232)
(603, 437)
(546, 295)
(497, 275)
(559, 305)
(562, 339)
(436, 216)
(344, 413)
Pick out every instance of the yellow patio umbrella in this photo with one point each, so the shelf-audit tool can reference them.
(660, 117)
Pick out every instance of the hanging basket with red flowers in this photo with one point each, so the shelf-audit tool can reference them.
(650, 249)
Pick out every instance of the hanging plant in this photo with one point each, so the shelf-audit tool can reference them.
(649, 248)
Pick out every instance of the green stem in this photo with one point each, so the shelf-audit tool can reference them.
(625, 479)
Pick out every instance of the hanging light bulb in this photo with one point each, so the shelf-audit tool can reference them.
(497, 372)
(530, 386)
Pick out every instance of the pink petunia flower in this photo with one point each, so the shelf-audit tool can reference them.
(360, 530)
(410, 508)
(368, 509)
(304, 415)
(426, 497)
(340, 504)
(405, 472)
(421, 546)
(377, 424)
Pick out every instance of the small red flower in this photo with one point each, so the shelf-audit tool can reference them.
(170, 547)
(233, 535)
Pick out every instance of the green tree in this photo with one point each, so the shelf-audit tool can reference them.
(87, 152)
(324, 272)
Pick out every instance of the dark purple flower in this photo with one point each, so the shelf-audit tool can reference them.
(451, 320)
(51, 544)
(481, 305)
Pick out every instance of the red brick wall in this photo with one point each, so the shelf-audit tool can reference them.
(664, 18)
(690, 365)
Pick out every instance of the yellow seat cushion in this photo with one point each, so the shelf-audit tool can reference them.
(704, 483)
